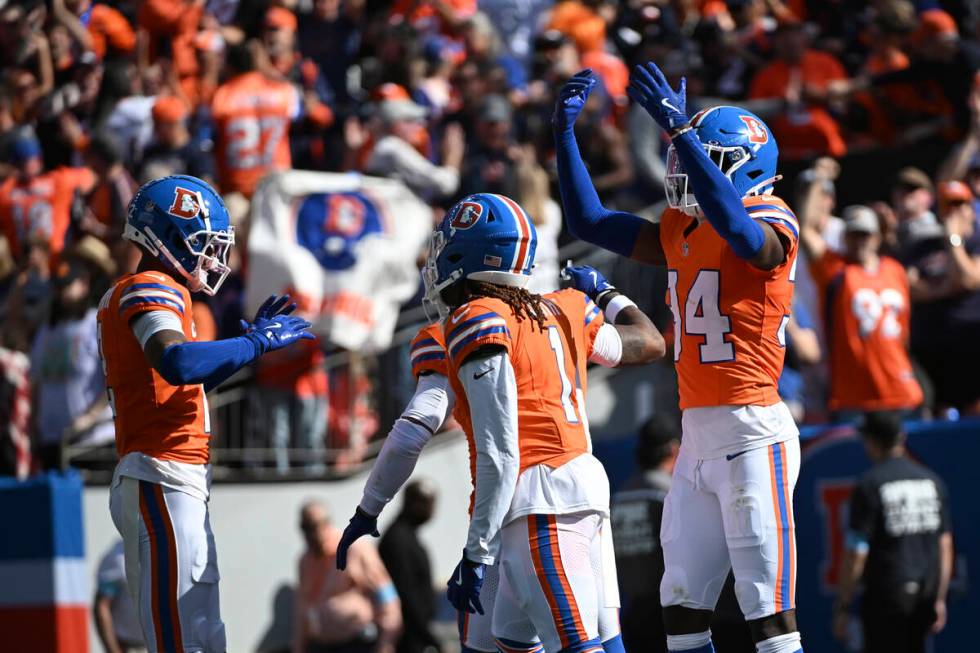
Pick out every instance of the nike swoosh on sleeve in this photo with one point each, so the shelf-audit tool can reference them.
(482, 374)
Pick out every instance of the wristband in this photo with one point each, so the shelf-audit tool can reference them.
(605, 297)
(683, 129)
(615, 305)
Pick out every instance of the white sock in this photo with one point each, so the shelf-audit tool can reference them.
(688, 642)
(789, 643)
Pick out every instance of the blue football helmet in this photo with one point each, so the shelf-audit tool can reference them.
(484, 237)
(183, 222)
(739, 143)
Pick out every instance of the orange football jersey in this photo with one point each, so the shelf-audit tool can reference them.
(549, 370)
(151, 416)
(252, 115)
(729, 317)
(867, 318)
(428, 351)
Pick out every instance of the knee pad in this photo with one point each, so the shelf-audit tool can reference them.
(511, 646)
(673, 587)
(754, 598)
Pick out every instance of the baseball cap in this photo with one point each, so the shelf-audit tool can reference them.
(495, 108)
(395, 110)
(934, 23)
(953, 191)
(25, 148)
(914, 178)
(280, 18)
(168, 108)
(860, 219)
(390, 91)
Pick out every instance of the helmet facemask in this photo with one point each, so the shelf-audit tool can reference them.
(432, 301)
(211, 248)
(679, 194)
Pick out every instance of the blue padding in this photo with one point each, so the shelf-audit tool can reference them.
(47, 512)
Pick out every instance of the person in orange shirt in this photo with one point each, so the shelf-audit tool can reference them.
(157, 373)
(802, 77)
(730, 248)
(252, 115)
(516, 364)
(34, 203)
(866, 308)
(446, 16)
(172, 26)
(108, 31)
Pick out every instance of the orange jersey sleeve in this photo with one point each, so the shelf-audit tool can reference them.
(151, 416)
(729, 317)
(475, 324)
(428, 352)
(109, 28)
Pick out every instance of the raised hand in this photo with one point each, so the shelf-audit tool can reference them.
(360, 524)
(269, 309)
(274, 327)
(572, 98)
(586, 279)
(649, 88)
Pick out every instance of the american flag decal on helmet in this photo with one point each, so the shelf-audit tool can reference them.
(495, 261)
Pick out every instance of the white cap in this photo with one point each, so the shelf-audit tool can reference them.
(395, 110)
(859, 218)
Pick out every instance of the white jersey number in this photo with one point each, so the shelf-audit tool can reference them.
(566, 386)
(872, 308)
(702, 317)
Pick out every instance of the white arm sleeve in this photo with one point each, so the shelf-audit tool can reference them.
(607, 350)
(152, 322)
(492, 393)
(426, 411)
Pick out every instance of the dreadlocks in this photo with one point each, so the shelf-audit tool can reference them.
(524, 304)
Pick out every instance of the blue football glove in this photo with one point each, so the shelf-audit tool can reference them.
(360, 524)
(586, 279)
(649, 88)
(572, 98)
(464, 587)
(269, 309)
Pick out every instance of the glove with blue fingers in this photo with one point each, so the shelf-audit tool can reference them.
(587, 280)
(360, 524)
(464, 587)
(274, 328)
(572, 98)
(649, 88)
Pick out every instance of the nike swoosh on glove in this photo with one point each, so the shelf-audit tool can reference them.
(278, 332)
(360, 524)
(586, 279)
(463, 589)
(649, 88)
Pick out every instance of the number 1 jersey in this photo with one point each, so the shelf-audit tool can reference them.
(729, 317)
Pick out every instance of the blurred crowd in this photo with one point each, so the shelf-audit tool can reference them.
(453, 97)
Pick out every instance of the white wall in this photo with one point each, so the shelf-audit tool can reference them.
(258, 539)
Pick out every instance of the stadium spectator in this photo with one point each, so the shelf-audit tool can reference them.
(252, 114)
(636, 512)
(802, 350)
(396, 155)
(801, 77)
(899, 546)
(944, 280)
(866, 309)
(66, 371)
(35, 204)
(407, 560)
(352, 611)
(173, 151)
(490, 166)
(15, 406)
(104, 214)
(116, 622)
(329, 36)
(912, 198)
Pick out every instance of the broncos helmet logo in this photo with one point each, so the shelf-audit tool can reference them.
(467, 215)
(187, 203)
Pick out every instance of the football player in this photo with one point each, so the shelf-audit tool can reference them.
(730, 249)
(430, 406)
(157, 376)
(515, 362)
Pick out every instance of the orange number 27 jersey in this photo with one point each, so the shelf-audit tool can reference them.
(729, 317)
(152, 417)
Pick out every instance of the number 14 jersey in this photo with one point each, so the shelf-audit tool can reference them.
(729, 317)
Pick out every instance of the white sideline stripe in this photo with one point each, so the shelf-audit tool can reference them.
(61, 581)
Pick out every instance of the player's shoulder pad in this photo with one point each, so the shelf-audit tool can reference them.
(573, 303)
(150, 291)
(481, 321)
(428, 351)
(774, 211)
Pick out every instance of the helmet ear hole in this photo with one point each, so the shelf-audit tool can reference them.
(454, 258)
(753, 174)
(491, 218)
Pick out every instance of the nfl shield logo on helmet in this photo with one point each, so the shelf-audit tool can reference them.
(467, 215)
(187, 203)
(757, 131)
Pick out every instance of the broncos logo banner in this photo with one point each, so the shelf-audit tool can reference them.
(344, 245)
